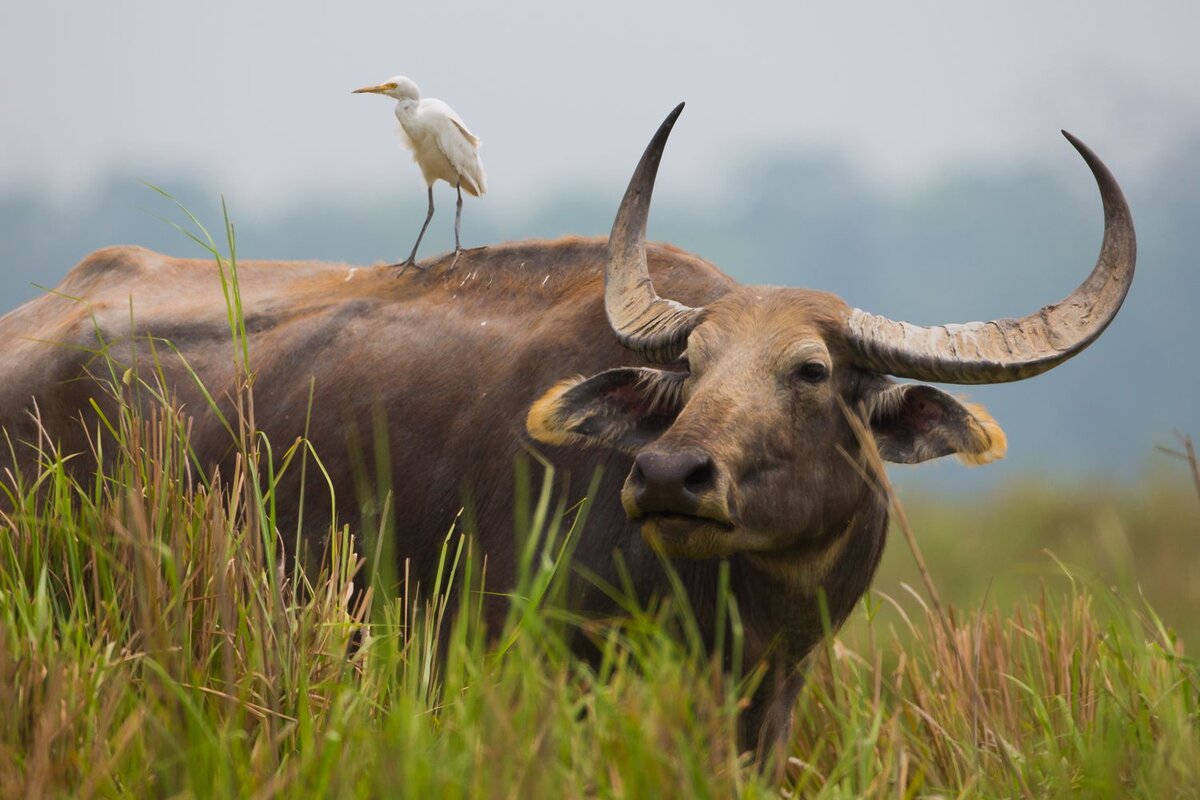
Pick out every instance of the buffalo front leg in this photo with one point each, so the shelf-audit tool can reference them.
(766, 726)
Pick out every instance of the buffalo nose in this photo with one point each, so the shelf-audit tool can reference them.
(672, 481)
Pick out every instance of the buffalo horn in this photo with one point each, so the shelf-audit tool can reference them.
(1010, 349)
(655, 327)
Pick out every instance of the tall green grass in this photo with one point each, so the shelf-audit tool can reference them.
(150, 645)
(153, 642)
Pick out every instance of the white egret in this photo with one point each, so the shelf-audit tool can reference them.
(441, 145)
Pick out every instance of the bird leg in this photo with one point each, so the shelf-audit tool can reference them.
(457, 216)
(412, 257)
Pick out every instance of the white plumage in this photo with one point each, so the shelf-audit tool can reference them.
(442, 145)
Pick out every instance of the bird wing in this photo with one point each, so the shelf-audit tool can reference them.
(444, 111)
(458, 145)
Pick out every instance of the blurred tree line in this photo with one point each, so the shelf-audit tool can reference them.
(974, 243)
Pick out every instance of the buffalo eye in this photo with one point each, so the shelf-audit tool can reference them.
(811, 372)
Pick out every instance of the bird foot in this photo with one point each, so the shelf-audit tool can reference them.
(457, 251)
(403, 265)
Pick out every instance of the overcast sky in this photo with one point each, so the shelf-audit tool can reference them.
(254, 97)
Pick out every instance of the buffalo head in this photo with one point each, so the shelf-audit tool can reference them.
(742, 437)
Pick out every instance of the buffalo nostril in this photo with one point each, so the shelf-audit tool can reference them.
(701, 478)
(638, 477)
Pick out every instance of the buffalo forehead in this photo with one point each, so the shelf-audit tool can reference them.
(777, 317)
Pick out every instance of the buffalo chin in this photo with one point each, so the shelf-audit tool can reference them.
(686, 536)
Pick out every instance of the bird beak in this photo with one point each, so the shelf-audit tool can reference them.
(380, 89)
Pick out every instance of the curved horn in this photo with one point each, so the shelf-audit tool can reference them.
(653, 326)
(1011, 349)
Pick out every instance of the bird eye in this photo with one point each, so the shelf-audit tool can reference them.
(811, 372)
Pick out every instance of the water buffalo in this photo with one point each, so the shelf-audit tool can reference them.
(719, 416)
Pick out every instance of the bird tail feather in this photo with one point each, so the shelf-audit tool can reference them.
(474, 185)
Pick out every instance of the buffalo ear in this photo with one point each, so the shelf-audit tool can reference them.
(623, 408)
(913, 422)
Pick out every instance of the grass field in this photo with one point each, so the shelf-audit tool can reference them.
(149, 648)
(150, 645)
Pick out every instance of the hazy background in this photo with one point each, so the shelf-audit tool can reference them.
(905, 156)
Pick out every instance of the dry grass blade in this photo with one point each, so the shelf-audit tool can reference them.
(1188, 454)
